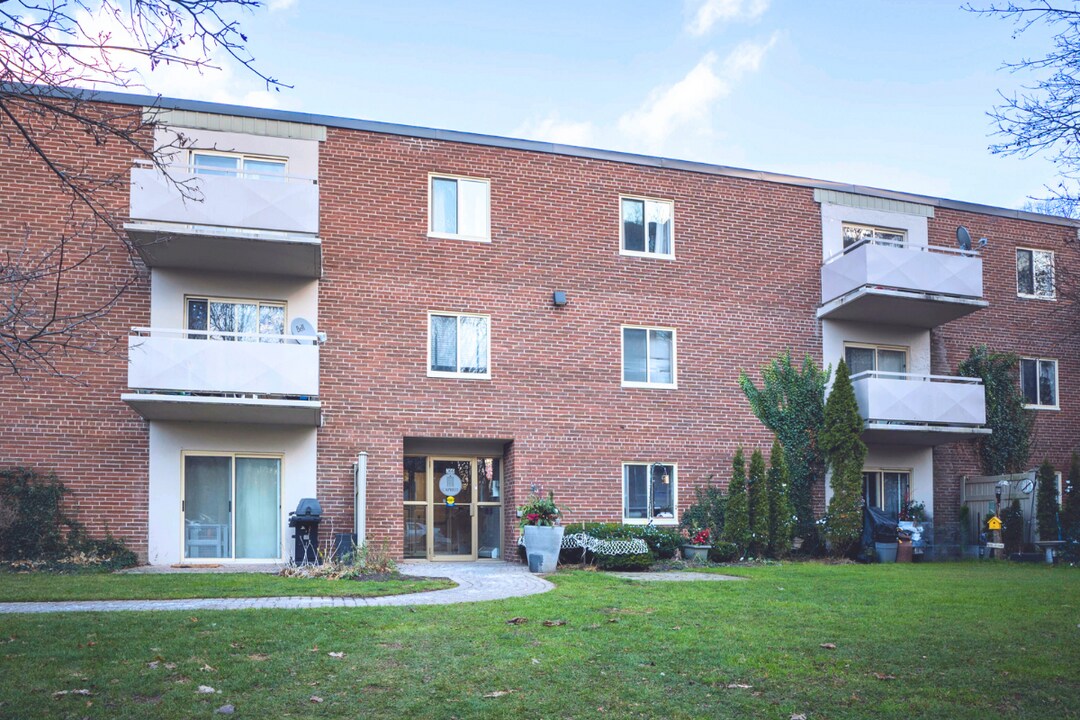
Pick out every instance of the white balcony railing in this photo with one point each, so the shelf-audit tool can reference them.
(196, 361)
(913, 268)
(924, 400)
(234, 201)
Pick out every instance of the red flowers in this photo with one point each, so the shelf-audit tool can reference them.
(701, 537)
(533, 517)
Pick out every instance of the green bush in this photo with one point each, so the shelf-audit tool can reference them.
(1046, 503)
(781, 516)
(1012, 528)
(706, 512)
(37, 533)
(662, 541)
(723, 552)
(635, 563)
(33, 525)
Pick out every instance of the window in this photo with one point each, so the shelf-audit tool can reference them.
(250, 167)
(647, 227)
(459, 208)
(861, 358)
(854, 233)
(1038, 382)
(222, 318)
(649, 493)
(888, 490)
(648, 357)
(1035, 274)
(459, 345)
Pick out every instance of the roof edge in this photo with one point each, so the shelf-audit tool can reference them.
(387, 128)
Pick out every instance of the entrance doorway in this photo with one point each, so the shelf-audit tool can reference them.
(453, 507)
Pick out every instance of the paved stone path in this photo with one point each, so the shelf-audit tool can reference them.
(675, 576)
(475, 582)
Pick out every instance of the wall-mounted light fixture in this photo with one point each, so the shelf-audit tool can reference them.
(558, 298)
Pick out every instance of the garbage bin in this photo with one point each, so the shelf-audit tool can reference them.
(885, 552)
(879, 528)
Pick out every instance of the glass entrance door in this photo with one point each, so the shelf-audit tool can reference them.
(453, 508)
(452, 490)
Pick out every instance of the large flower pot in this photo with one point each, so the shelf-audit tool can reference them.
(696, 552)
(542, 545)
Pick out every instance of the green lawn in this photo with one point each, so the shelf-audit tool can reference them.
(15, 587)
(912, 641)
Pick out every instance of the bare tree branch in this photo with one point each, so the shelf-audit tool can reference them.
(53, 55)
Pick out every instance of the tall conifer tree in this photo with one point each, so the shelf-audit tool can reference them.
(737, 515)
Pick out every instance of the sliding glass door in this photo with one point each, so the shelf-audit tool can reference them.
(232, 507)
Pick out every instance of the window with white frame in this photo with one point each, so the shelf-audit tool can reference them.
(1035, 274)
(649, 492)
(648, 357)
(861, 358)
(224, 318)
(888, 490)
(459, 208)
(646, 227)
(249, 167)
(1039, 382)
(459, 345)
(855, 233)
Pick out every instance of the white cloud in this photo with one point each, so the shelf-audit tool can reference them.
(225, 83)
(556, 130)
(687, 105)
(278, 5)
(705, 14)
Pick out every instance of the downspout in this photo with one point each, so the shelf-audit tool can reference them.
(360, 499)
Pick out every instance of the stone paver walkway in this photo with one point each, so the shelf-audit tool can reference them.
(475, 582)
(675, 576)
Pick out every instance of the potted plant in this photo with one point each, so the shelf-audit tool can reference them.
(699, 546)
(543, 535)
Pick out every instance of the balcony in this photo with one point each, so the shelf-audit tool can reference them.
(225, 222)
(919, 286)
(926, 410)
(182, 375)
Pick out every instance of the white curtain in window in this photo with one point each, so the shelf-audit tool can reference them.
(258, 522)
(660, 356)
(444, 205)
(473, 208)
(659, 224)
(473, 344)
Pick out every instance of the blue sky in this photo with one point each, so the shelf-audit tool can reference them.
(888, 94)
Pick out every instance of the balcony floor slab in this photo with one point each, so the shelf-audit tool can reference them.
(209, 408)
(881, 433)
(222, 249)
(899, 307)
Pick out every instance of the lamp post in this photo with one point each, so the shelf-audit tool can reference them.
(997, 514)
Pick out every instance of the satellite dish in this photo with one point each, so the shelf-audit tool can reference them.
(300, 326)
(963, 238)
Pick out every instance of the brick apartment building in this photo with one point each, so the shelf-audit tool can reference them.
(357, 309)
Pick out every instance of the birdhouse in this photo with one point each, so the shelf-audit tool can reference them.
(994, 523)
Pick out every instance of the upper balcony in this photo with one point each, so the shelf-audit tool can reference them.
(883, 282)
(907, 409)
(228, 221)
(227, 377)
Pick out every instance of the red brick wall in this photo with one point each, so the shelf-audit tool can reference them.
(555, 388)
(1011, 324)
(78, 427)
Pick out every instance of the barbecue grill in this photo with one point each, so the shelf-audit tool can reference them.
(305, 523)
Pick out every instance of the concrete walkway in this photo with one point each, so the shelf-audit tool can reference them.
(476, 581)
